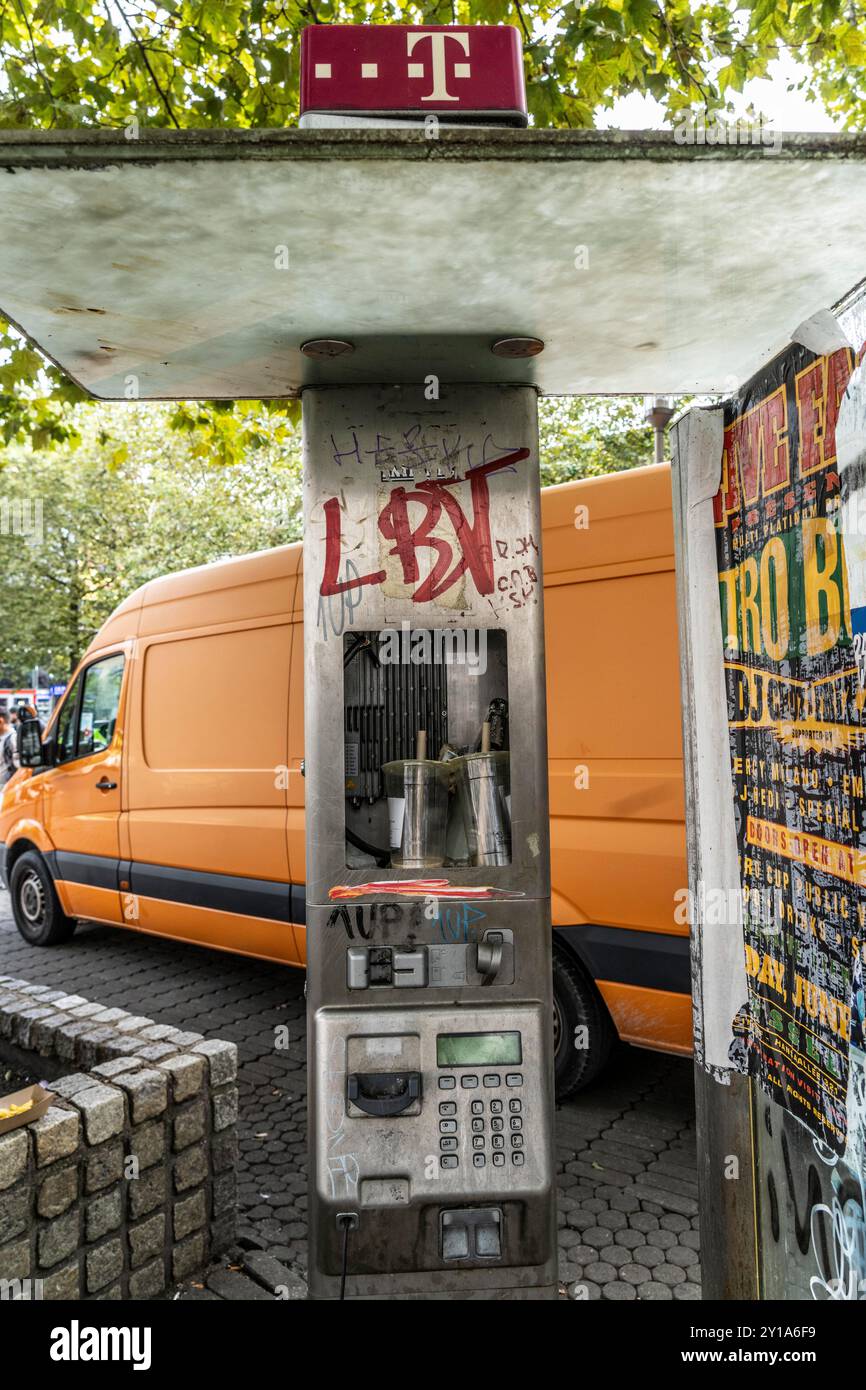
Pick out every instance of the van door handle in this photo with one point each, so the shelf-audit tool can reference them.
(103, 785)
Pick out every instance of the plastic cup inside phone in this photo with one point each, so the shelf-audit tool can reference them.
(417, 794)
(484, 789)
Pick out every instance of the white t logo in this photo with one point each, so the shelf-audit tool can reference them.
(437, 39)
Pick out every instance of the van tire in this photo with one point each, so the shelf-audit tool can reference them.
(35, 904)
(577, 1003)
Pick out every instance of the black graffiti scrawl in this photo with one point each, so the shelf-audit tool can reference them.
(797, 728)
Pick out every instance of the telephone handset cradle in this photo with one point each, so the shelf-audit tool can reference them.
(384, 1093)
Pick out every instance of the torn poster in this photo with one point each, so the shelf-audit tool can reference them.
(787, 536)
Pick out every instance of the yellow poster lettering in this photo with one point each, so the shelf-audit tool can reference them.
(823, 600)
(775, 621)
(749, 599)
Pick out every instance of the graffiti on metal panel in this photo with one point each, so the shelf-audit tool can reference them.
(797, 733)
(836, 1223)
(426, 519)
(424, 448)
(439, 888)
(342, 1164)
(460, 923)
(455, 921)
(815, 1203)
(518, 581)
(337, 611)
(364, 921)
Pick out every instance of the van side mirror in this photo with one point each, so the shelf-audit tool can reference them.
(31, 752)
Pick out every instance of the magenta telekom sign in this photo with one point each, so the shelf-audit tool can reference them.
(407, 68)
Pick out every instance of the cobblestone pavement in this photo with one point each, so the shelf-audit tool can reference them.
(625, 1147)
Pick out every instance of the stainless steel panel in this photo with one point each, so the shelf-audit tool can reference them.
(376, 1130)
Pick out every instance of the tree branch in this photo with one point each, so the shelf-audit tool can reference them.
(36, 61)
(690, 78)
(143, 51)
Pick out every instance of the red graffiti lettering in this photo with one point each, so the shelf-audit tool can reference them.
(474, 544)
(331, 582)
(472, 537)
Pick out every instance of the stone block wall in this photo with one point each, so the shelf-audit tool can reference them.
(127, 1184)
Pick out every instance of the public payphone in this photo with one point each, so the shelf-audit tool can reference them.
(428, 913)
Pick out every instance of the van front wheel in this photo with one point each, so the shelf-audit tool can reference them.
(583, 1034)
(35, 904)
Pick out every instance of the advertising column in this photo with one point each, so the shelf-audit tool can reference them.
(788, 913)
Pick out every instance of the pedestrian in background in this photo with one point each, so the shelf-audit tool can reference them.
(8, 749)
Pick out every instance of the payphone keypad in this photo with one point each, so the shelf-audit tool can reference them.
(493, 1123)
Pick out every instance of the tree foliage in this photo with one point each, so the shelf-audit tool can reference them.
(82, 527)
(205, 63)
(585, 436)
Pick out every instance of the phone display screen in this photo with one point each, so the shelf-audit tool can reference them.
(478, 1049)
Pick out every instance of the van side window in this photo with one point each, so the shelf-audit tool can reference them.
(99, 700)
(66, 724)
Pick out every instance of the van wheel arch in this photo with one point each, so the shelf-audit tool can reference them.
(577, 1004)
(15, 851)
(36, 907)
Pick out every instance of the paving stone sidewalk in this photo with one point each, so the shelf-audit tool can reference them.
(625, 1148)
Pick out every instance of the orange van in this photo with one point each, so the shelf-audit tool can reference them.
(169, 793)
